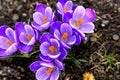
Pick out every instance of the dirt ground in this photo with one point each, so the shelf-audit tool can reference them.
(96, 50)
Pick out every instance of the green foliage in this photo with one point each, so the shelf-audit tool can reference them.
(109, 59)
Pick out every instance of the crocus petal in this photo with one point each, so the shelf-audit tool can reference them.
(23, 38)
(69, 5)
(45, 26)
(54, 56)
(89, 15)
(59, 8)
(67, 16)
(40, 8)
(29, 30)
(55, 43)
(45, 37)
(66, 28)
(19, 27)
(44, 48)
(35, 66)
(71, 40)
(59, 64)
(78, 13)
(87, 27)
(47, 64)
(32, 41)
(10, 34)
(65, 45)
(78, 39)
(2, 30)
(40, 74)
(36, 26)
(62, 2)
(25, 48)
(45, 58)
(48, 13)
(55, 25)
(11, 49)
(63, 54)
(2, 53)
(3, 45)
(57, 34)
(37, 17)
(55, 74)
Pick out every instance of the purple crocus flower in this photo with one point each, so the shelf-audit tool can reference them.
(8, 42)
(47, 70)
(64, 6)
(82, 20)
(43, 17)
(64, 34)
(26, 35)
(50, 48)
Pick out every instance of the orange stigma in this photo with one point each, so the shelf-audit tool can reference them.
(65, 9)
(8, 42)
(49, 70)
(29, 37)
(79, 22)
(65, 36)
(52, 49)
(44, 20)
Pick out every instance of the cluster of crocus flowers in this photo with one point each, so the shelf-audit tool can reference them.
(76, 22)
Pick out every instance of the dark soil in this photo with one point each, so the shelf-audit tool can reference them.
(105, 38)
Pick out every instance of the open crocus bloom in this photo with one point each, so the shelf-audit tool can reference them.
(8, 42)
(64, 34)
(47, 70)
(82, 20)
(50, 48)
(42, 17)
(26, 35)
(64, 6)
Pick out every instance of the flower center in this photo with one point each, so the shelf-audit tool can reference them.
(8, 42)
(29, 37)
(49, 70)
(52, 49)
(65, 9)
(65, 36)
(44, 20)
(78, 22)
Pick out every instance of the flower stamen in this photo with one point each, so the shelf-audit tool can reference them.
(44, 19)
(29, 37)
(52, 49)
(65, 36)
(65, 9)
(49, 70)
(78, 22)
(8, 42)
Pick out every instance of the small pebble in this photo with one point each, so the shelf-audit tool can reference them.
(103, 25)
(119, 9)
(115, 37)
(93, 39)
(15, 17)
(105, 21)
